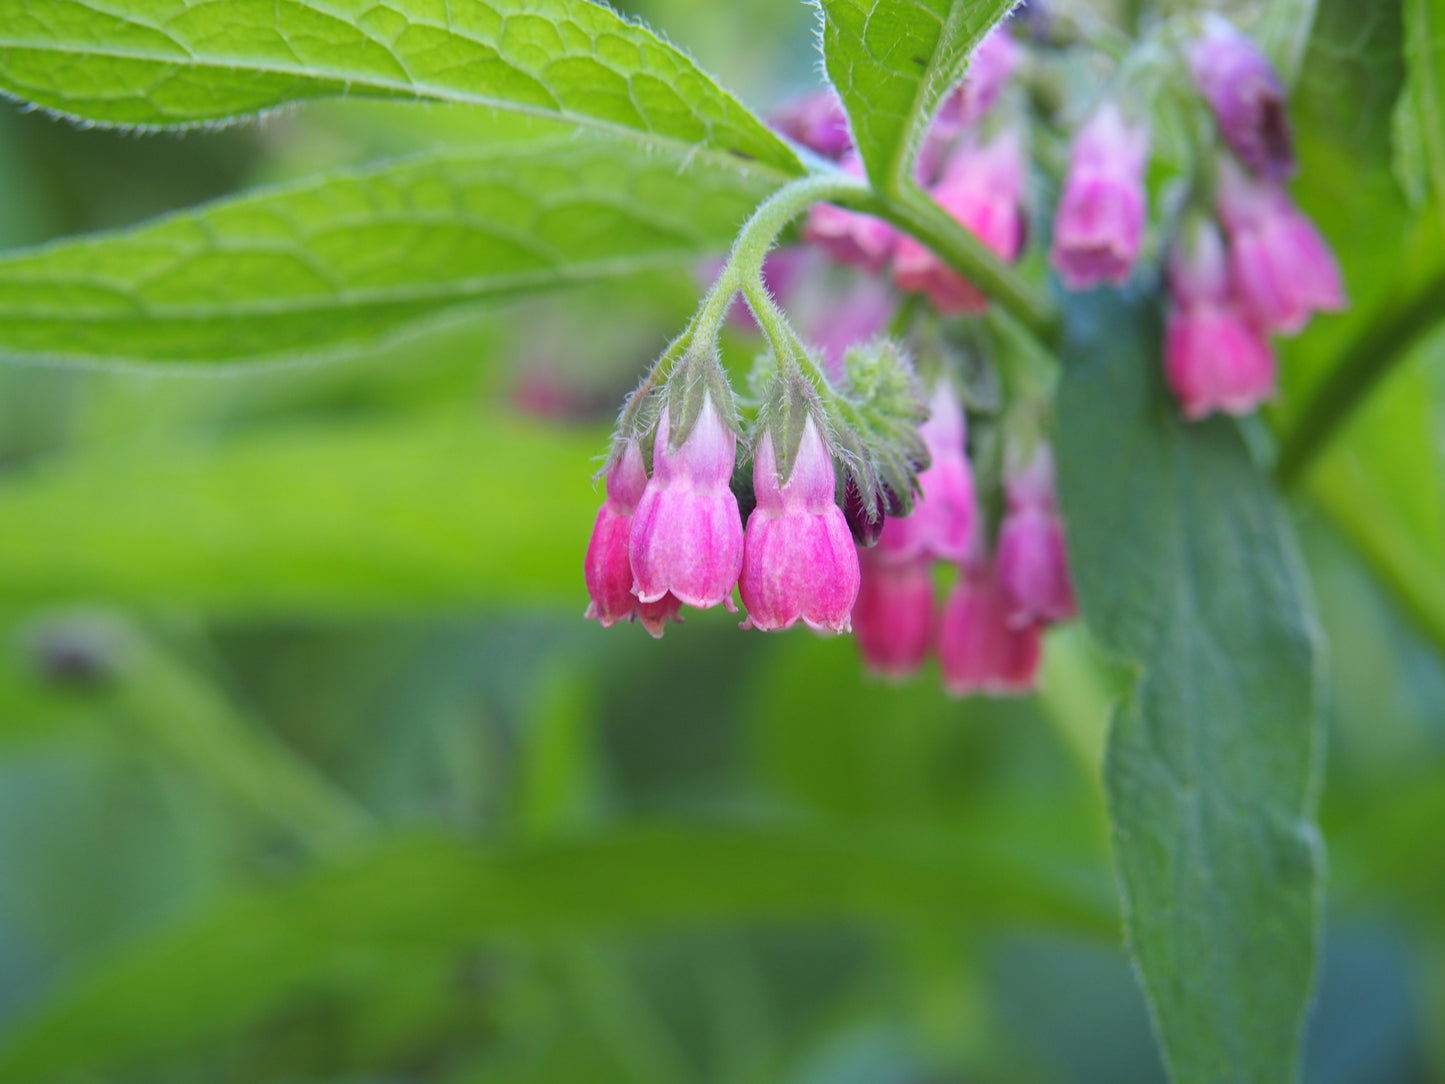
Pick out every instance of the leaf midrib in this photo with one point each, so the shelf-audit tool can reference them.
(899, 180)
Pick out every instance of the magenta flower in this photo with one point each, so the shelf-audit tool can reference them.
(980, 651)
(1247, 98)
(799, 561)
(1283, 270)
(893, 616)
(607, 568)
(943, 519)
(1100, 221)
(989, 70)
(687, 533)
(982, 187)
(1215, 358)
(848, 236)
(817, 121)
(1032, 563)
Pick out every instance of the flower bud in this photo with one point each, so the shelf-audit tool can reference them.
(1247, 98)
(982, 187)
(1100, 221)
(865, 531)
(817, 121)
(1032, 564)
(849, 236)
(979, 650)
(1215, 358)
(893, 616)
(607, 568)
(799, 561)
(942, 522)
(687, 534)
(1283, 270)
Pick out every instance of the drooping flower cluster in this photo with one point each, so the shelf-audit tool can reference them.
(865, 507)
(1269, 270)
(987, 634)
(678, 538)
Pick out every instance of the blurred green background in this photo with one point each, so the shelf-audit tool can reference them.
(311, 771)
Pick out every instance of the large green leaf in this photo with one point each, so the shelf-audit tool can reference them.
(169, 62)
(356, 252)
(447, 511)
(892, 61)
(1186, 568)
(434, 893)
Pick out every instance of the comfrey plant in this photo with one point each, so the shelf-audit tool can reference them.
(1011, 276)
(864, 489)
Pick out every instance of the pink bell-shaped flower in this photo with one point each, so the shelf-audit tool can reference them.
(1032, 563)
(687, 533)
(1247, 97)
(944, 517)
(980, 651)
(893, 615)
(1215, 357)
(799, 561)
(817, 121)
(1100, 221)
(607, 568)
(982, 187)
(849, 236)
(1283, 270)
(989, 70)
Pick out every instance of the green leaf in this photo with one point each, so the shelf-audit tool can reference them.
(1186, 569)
(1419, 118)
(892, 61)
(359, 251)
(175, 62)
(432, 893)
(341, 519)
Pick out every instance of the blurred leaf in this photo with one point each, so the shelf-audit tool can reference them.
(355, 252)
(420, 894)
(1352, 78)
(186, 718)
(172, 62)
(440, 511)
(558, 777)
(1284, 30)
(1186, 567)
(892, 62)
(1419, 120)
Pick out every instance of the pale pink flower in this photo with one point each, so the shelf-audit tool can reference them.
(1215, 357)
(799, 560)
(1283, 270)
(850, 236)
(817, 121)
(980, 651)
(982, 188)
(687, 533)
(1031, 562)
(607, 569)
(989, 70)
(1100, 221)
(893, 615)
(944, 516)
